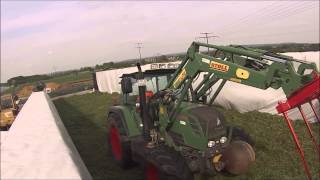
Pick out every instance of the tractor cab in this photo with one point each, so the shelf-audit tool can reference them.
(155, 80)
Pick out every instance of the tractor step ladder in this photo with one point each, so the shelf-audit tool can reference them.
(305, 95)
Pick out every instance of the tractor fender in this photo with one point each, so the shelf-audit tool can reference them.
(127, 118)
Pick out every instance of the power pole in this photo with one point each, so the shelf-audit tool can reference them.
(207, 37)
(54, 70)
(139, 48)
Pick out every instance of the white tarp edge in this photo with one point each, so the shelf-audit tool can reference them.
(233, 95)
(37, 146)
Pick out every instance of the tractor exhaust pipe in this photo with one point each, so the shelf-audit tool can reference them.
(146, 121)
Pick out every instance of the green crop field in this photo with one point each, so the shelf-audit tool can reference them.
(276, 157)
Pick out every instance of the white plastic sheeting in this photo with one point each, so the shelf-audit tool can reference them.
(233, 95)
(245, 98)
(37, 146)
(109, 81)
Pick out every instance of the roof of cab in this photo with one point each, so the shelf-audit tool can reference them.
(151, 73)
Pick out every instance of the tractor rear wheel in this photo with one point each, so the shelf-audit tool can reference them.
(119, 145)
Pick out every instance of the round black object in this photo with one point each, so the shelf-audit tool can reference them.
(119, 145)
(240, 134)
(238, 156)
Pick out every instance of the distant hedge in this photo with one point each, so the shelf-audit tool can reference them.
(277, 48)
(27, 79)
(290, 47)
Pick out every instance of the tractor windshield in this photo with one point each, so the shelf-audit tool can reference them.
(153, 84)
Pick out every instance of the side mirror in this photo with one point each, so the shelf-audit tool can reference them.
(126, 85)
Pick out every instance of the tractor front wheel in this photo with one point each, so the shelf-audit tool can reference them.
(153, 173)
(119, 145)
(169, 165)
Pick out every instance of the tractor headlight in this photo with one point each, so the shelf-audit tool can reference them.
(211, 144)
(223, 139)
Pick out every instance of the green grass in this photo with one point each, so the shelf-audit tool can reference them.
(85, 119)
(276, 157)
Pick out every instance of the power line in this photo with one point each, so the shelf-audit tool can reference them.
(297, 27)
(272, 34)
(256, 13)
(265, 24)
(207, 37)
(291, 12)
(280, 13)
(266, 11)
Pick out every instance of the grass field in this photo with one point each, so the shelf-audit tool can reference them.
(276, 158)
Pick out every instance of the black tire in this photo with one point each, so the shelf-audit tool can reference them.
(119, 145)
(168, 164)
(239, 134)
(153, 173)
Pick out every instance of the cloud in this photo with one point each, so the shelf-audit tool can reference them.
(86, 33)
(37, 19)
(23, 15)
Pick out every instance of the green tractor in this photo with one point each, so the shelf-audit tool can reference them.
(167, 123)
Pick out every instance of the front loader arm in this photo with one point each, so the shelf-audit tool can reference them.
(280, 71)
(252, 67)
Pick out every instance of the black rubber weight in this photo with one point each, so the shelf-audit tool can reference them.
(240, 134)
(126, 160)
(170, 164)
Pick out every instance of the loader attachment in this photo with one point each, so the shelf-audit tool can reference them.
(305, 95)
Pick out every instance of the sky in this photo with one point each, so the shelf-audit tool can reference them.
(40, 37)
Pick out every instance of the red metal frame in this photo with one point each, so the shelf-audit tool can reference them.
(304, 95)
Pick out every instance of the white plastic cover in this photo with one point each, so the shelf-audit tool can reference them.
(37, 146)
(233, 95)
